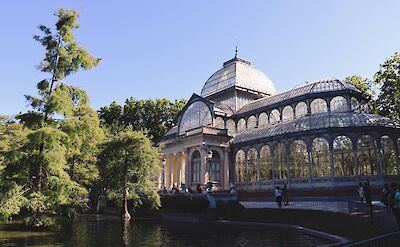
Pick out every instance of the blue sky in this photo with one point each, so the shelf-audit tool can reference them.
(156, 49)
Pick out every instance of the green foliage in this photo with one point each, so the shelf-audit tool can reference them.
(128, 160)
(388, 78)
(11, 200)
(155, 116)
(185, 203)
(366, 87)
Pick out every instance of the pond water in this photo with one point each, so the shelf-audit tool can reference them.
(100, 230)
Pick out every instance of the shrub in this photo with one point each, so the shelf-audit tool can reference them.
(184, 203)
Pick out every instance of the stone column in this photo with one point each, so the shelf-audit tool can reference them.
(188, 169)
(179, 159)
(309, 162)
(331, 162)
(225, 170)
(167, 171)
(203, 169)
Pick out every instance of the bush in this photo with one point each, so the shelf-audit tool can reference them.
(41, 221)
(228, 209)
(185, 203)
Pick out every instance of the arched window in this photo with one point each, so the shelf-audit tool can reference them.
(338, 104)
(388, 156)
(366, 156)
(301, 109)
(231, 126)
(318, 106)
(298, 160)
(265, 164)
(280, 162)
(240, 166)
(343, 157)
(287, 113)
(241, 125)
(252, 165)
(219, 123)
(354, 103)
(215, 167)
(262, 119)
(196, 115)
(320, 158)
(251, 122)
(274, 116)
(196, 166)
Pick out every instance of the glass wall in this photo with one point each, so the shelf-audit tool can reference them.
(388, 156)
(196, 166)
(196, 115)
(219, 123)
(251, 122)
(338, 104)
(230, 125)
(252, 165)
(344, 164)
(287, 113)
(280, 162)
(240, 166)
(215, 167)
(274, 116)
(301, 109)
(320, 166)
(298, 160)
(366, 156)
(354, 103)
(262, 119)
(265, 163)
(241, 125)
(318, 106)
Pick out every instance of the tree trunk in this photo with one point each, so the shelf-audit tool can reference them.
(126, 216)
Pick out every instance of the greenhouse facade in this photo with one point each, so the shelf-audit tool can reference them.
(240, 131)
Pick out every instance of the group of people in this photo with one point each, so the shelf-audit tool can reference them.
(182, 189)
(281, 195)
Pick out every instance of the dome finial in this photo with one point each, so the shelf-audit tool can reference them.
(236, 52)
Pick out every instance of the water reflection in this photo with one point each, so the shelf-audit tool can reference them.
(98, 230)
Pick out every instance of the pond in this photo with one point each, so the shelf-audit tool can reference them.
(101, 230)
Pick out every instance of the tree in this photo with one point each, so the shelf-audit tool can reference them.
(366, 88)
(56, 164)
(388, 78)
(154, 116)
(129, 167)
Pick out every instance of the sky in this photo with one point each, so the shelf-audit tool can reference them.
(168, 49)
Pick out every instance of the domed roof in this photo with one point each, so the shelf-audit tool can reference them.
(238, 72)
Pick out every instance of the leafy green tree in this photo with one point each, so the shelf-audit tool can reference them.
(56, 164)
(366, 87)
(388, 78)
(154, 116)
(129, 167)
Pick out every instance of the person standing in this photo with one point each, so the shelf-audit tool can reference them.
(285, 195)
(384, 196)
(278, 196)
(396, 206)
(360, 190)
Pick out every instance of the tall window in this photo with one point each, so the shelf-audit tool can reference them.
(301, 109)
(280, 162)
(196, 115)
(274, 116)
(320, 158)
(388, 156)
(252, 164)
(355, 105)
(366, 156)
(318, 106)
(338, 104)
(287, 113)
(240, 166)
(219, 123)
(251, 122)
(262, 119)
(241, 125)
(344, 164)
(265, 163)
(196, 166)
(298, 160)
(215, 167)
(231, 126)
